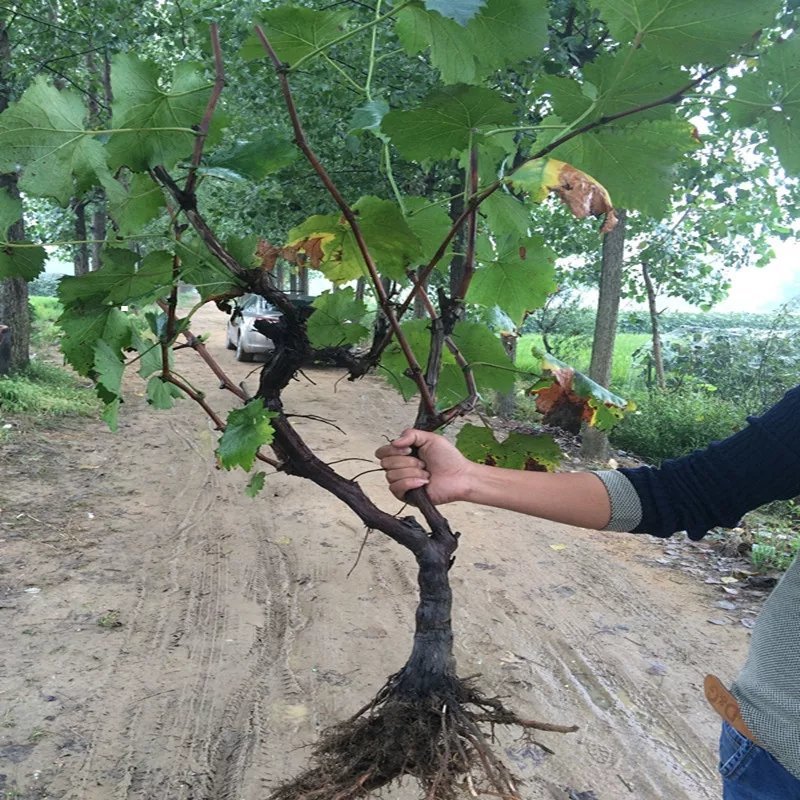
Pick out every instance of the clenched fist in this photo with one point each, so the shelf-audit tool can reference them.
(417, 458)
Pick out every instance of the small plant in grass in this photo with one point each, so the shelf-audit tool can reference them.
(37, 734)
(774, 549)
(110, 619)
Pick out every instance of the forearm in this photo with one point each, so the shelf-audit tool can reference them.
(573, 498)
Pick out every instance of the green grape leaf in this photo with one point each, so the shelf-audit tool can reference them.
(150, 278)
(133, 207)
(10, 213)
(567, 390)
(162, 394)
(83, 327)
(44, 133)
(772, 93)
(200, 269)
(247, 429)
(124, 279)
(337, 318)
(418, 30)
(629, 80)
(368, 117)
(22, 262)
(153, 126)
(108, 368)
(517, 277)
(784, 136)
(489, 360)
(331, 246)
(110, 414)
(295, 32)
(685, 32)
(483, 350)
(568, 97)
(253, 160)
(149, 355)
(462, 11)
(430, 224)
(634, 162)
(393, 361)
(443, 123)
(506, 216)
(503, 32)
(244, 249)
(255, 484)
(518, 451)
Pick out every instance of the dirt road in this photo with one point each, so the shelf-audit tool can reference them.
(165, 637)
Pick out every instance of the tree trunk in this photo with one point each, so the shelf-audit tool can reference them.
(658, 357)
(80, 258)
(99, 226)
(457, 265)
(100, 78)
(595, 443)
(14, 311)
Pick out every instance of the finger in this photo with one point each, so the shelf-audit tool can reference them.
(411, 437)
(400, 488)
(411, 473)
(388, 450)
(402, 462)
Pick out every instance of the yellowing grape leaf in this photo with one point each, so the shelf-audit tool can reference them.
(583, 195)
(567, 397)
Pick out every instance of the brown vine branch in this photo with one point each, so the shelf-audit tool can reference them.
(205, 123)
(197, 345)
(197, 397)
(187, 202)
(302, 142)
(467, 404)
(298, 459)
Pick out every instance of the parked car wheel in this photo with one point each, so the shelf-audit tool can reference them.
(241, 353)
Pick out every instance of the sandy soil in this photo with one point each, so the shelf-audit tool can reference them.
(165, 637)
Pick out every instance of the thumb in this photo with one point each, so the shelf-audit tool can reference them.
(411, 437)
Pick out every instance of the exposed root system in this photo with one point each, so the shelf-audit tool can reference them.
(438, 740)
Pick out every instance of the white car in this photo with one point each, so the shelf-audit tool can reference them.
(241, 333)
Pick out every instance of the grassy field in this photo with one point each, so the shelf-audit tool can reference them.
(578, 351)
(44, 390)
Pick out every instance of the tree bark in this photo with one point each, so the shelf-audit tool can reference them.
(99, 78)
(14, 311)
(457, 265)
(655, 331)
(80, 258)
(594, 445)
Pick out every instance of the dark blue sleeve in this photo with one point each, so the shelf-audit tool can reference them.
(716, 486)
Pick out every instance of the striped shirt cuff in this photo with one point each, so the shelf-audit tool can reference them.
(626, 507)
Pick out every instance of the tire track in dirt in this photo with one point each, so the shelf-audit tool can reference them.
(156, 628)
(243, 635)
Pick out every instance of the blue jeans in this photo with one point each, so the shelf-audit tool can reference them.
(750, 772)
